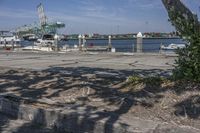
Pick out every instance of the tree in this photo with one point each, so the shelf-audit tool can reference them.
(187, 24)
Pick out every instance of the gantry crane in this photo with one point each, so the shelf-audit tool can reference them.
(44, 27)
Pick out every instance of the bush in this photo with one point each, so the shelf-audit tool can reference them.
(188, 62)
(148, 81)
(188, 26)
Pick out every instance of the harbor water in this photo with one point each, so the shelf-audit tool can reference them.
(123, 45)
(128, 45)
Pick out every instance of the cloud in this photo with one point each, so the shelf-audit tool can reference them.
(145, 4)
(17, 13)
(97, 15)
(92, 12)
(91, 18)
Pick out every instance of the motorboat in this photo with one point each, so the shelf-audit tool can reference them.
(46, 43)
(30, 37)
(173, 46)
(9, 40)
(37, 48)
(46, 40)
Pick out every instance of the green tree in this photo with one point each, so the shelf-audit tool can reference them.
(188, 26)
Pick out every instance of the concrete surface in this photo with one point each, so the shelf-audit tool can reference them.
(77, 118)
(119, 61)
(10, 125)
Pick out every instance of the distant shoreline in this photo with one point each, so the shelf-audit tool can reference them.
(127, 38)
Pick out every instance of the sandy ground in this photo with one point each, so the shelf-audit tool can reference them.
(97, 82)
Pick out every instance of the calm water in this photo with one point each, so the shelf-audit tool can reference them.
(149, 45)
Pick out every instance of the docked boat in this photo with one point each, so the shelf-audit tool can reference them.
(37, 48)
(30, 37)
(9, 40)
(173, 46)
(46, 40)
(46, 43)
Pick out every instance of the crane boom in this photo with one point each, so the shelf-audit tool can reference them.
(44, 26)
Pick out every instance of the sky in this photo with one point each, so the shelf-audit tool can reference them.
(92, 16)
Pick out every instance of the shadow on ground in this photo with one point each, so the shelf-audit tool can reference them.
(108, 85)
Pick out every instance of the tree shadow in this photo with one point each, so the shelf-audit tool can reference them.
(190, 107)
(106, 85)
(3, 122)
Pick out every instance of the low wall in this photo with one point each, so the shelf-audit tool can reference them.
(78, 121)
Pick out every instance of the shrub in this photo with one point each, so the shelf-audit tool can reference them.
(188, 26)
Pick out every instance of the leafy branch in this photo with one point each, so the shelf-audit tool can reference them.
(187, 24)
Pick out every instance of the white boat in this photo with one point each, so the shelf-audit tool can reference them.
(30, 37)
(9, 40)
(173, 46)
(46, 43)
(37, 48)
(46, 40)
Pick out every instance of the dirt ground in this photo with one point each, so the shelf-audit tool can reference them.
(107, 90)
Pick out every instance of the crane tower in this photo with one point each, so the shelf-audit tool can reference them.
(44, 27)
(42, 16)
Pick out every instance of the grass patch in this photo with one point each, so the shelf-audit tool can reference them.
(148, 81)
